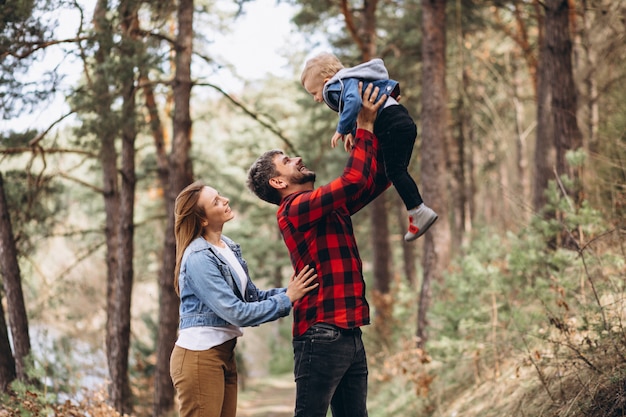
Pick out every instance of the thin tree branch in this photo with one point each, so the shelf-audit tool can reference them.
(40, 136)
(21, 150)
(254, 115)
(81, 182)
(36, 46)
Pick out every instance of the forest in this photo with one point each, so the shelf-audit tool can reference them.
(513, 303)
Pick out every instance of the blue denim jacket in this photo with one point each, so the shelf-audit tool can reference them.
(211, 293)
(344, 97)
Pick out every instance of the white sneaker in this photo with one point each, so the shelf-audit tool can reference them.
(420, 220)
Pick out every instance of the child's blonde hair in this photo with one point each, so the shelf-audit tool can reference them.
(323, 65)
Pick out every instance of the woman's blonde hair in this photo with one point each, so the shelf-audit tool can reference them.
(323, 65)
(188, 217)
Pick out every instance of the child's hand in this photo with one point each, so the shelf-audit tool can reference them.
(336, 137)
(348, 142)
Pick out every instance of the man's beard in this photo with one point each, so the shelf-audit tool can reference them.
(304, 177)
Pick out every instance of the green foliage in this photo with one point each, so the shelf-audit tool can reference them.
(35, 205)
(56, 369)
(22, 30)
(513, 301)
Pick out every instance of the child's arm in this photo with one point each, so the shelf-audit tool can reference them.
(348, 142)
(336, 137)
(350, 106)
(347, 139)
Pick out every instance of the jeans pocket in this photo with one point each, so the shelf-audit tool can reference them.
(324, 333)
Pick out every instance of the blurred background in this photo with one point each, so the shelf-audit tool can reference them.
(512, 304)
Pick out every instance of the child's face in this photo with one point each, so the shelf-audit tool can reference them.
(314, 85)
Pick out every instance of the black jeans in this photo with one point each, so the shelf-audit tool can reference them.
(330, 368)
(396, 133)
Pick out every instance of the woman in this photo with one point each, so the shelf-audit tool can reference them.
(217, 298)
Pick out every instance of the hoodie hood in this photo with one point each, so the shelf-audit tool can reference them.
(370, 70)
(367, 71)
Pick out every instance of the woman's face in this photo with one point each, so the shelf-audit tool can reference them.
(216, 207)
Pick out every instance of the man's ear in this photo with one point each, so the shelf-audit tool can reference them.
(277, 183)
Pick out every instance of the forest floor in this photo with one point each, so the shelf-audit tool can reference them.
(270, 396)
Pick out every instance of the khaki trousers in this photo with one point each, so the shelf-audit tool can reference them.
(206, 380)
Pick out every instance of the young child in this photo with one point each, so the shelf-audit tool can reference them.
(326, 79)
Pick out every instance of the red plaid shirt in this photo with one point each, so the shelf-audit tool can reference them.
(317, 230)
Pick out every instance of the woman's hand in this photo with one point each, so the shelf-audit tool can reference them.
(301, 284)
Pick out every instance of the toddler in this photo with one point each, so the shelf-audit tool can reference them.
(326, 79)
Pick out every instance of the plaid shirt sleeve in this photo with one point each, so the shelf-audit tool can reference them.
(317, 230)
(380, 183)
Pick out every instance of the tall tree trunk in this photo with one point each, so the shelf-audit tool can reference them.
(108, 160)
(434, 134)
(11, 366)
(523, 187)
(122, 289)
(455, 162)
(381, 265)
(7, 362)
(591, 83)
(543, 159)
(117, 203)
(567, 135)
(455, 157)
(180, 175)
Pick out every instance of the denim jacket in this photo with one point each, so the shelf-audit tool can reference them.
(211, 293)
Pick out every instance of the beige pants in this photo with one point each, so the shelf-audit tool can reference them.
(206, 380)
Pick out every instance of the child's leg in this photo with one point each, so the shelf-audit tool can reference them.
(396, 134)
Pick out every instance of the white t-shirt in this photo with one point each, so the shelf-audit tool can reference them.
(206, 337)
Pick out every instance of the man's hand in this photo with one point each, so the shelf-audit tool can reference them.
(369, 109)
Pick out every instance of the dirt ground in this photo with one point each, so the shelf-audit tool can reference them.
(267, 397)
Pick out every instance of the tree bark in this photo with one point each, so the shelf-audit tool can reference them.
(434, 137)
(456, 155)
(180, 175)
(108, 160)
(455, 162)
(591, 83)
(10, 366)
(523, 186)
(123, 284)
(567, 135)
(381, 263)
(7, 362)
(118, 201)
(543, 159)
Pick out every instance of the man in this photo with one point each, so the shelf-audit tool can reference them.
(330, 365)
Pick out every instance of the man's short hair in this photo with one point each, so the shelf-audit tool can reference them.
(259, 175)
